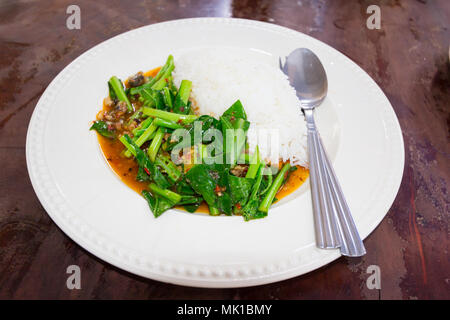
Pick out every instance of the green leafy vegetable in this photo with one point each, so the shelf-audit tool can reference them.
(169, 167)
(158, 205)
(112, 94)
(254, 165)
(203, 183)
(268, 199)
(171, 196)
(163, 112)
(167, 124)
(144, 162)
(191, 207)
(240, 189)
(156, 143)
(168, 97)
(211, 181)
(181, 100)
(119, 91)
(169, 116)
(102, 128)
(266, 183)
(145, 136)
(159, 81)
(250, 211)
(236, 111)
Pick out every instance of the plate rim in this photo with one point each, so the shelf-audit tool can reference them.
(166, 272)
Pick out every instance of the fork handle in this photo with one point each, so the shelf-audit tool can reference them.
(326, 231)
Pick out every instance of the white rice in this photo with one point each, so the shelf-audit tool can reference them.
(222, 76)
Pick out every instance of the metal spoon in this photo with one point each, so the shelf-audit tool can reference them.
(334, 225)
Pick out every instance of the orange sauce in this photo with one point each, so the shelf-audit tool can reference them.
(295, 180)
(152, 72)
(126, 168)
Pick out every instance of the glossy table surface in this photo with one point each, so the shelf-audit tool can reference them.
(408, 58)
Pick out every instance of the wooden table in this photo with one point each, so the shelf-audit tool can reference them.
(408, 58)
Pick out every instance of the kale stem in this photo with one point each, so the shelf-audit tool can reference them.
(182, 104)
(135, 115)
(269, 182)
(258, 180)
(185, 90)
(268, 199)
(143, 125)
(156, 143)
(200, 153)
(117, 86)
(213, 211)
(159, 82)
(244, 158)
(173, 197)
(170, 116)
(239, 125)
(167, 124)
(171, 169)
(168, 97)
(163, 72)
(143, 137)
(254, 165)
(189, 200)
(129, 147)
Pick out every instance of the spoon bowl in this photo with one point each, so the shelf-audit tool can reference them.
(307, 75)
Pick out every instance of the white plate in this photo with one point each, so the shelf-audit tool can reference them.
(92, 206)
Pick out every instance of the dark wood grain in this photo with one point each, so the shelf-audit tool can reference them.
(407, 57)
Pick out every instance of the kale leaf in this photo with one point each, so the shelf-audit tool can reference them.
(102, 128)
(157, 204)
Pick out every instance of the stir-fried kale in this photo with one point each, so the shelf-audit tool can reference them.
(155, 110)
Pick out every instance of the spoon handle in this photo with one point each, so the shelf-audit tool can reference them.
(351, 243)
(326, 231)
